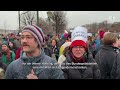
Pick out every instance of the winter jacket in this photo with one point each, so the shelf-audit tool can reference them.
(115, 73)
(91, 48)
(61, 42)
(42, 66)
(54, 51)
(90, 71)
(105, 58)
(97, 42)
(96, 50)
(47, 51)
(4, 58)
(63, 47)
(2, 65)
(13, 49)
(17, 53)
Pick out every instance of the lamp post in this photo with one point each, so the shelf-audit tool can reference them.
(19, 20)
(49, 14)
(37, 18)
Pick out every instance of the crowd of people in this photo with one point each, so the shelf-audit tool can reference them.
(71, 55)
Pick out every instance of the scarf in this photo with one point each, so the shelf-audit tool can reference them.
(77, 60)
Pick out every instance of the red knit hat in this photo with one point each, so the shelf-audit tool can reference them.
(78, 43)
(101, 34)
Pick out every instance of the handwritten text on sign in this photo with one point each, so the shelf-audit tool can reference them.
(79, 33)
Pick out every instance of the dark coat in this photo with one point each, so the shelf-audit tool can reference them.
(105, 58)
(2, 65)
(47, 51)
(115, 73)
(90, 72)
(55, 50)
(92, 50)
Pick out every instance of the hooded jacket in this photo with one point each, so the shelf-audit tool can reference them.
(22, 67)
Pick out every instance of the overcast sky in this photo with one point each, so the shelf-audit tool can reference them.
(9, 19)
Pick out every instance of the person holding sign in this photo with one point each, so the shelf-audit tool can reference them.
(79, 63)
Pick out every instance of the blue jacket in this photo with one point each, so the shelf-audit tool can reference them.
(22, 67)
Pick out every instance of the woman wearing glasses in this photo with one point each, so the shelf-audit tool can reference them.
(79, 63)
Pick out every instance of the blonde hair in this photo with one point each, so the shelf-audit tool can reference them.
(109, 38)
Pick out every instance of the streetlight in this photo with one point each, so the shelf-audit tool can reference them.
(37, 18)
(19, 19)
(49, 14)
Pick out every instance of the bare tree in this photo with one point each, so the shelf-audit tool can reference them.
(94, 27)
(27, 18)
(45, 26)
(115, 27)
(59, 21)
(102, 24)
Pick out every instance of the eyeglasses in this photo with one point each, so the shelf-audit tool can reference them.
(78, 47)
(27, 37)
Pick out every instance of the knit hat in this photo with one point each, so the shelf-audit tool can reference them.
(101, 34)
(79, 37)
(5, 43)
(89, 34)
(36, 32)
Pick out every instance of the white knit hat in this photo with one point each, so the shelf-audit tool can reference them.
(79, 33)
(79, 37)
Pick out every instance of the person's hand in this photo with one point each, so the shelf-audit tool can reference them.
(32, 75)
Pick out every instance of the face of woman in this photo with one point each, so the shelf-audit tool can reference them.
(4, 47)
(78, 51)
(10, 44)
(53, 42)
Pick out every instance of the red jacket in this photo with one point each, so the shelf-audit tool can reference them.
(18, 53)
